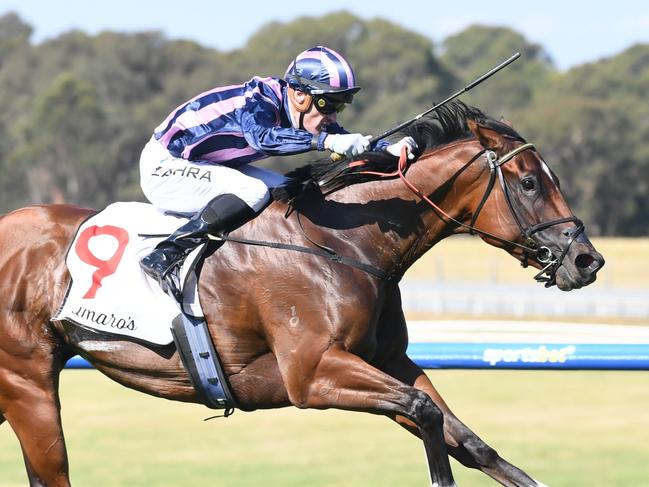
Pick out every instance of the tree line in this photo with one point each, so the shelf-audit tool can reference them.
(78, 108)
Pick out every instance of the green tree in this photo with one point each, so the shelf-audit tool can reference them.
(63, 155)
(591, 118)
(77, 109)
(478, 48)
(14, 35)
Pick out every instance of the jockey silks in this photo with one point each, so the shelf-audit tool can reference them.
(235, 125)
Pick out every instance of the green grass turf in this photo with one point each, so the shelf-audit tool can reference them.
(567, 428)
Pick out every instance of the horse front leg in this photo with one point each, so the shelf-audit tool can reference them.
(463, 444)
(341, 380)
(33, 411)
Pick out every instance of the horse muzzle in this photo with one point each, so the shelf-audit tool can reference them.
(571, 263)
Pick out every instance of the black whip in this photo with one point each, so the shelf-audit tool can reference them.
(473, 84)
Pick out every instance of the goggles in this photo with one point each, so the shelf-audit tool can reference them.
(328, 105)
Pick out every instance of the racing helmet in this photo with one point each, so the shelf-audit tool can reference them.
(322, 71)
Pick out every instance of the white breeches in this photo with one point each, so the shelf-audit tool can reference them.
(179, 185)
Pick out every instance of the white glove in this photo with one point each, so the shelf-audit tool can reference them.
(395, 149)
(348, 144)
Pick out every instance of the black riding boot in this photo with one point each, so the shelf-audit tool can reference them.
(223, 214)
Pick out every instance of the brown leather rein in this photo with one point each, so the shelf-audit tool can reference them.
(531, 247)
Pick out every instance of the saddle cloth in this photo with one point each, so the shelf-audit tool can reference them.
(108, 291)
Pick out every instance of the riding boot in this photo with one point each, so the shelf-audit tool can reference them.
(223, 214)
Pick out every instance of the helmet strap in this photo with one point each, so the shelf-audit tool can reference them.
(301, 107)
(304, 105)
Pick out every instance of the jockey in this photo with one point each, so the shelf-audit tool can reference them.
(197, 161)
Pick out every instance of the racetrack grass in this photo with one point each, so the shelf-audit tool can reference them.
(469, 259)
(569, 428)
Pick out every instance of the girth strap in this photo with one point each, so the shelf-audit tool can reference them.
(320, 252)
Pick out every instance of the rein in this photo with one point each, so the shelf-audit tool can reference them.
(531, 246)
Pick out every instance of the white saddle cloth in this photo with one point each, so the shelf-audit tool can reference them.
(108, 291)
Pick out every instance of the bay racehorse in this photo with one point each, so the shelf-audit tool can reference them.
(294, 328)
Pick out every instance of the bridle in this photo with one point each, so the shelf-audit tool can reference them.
(531, 246)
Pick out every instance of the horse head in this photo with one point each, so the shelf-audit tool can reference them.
(528, 212)
(509, 195)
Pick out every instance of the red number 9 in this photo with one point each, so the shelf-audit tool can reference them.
(104, 267)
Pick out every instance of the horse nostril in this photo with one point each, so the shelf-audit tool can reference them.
(584, 261)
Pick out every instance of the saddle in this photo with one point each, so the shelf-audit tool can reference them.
(110, 295)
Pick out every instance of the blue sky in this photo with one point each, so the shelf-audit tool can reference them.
(573, 32)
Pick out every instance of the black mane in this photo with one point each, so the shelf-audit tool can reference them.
(447, 124)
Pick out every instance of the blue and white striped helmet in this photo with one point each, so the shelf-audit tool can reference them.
(321, 70)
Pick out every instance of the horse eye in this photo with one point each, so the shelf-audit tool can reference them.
(528, 184)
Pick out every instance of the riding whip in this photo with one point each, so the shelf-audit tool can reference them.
(335, 157)
(473, 84)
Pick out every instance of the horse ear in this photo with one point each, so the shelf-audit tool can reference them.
(489, 138)
(506, 122)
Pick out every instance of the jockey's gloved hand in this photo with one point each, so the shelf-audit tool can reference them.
(409, 142)
(348, 144)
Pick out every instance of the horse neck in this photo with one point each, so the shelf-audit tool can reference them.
(383, 222)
